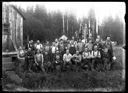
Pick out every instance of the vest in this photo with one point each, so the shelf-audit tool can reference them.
(86, 54)
(97, 53)
(39, 57)
(38, 46)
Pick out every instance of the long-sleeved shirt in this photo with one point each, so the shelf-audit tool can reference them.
(77, 57)
(80, 46)
(67, 57)
(38, 46)
(39, 58)
(95, 54)
(89, 46)
(86, 55)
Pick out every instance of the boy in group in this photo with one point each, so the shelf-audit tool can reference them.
(39, 61)
(96, 58)
(86, 62)
(67, 59)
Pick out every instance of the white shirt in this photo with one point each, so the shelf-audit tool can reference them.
(66, 57)
(86, 55)
(38, 46)
(96, 54)
(83, 40)
(53, 49)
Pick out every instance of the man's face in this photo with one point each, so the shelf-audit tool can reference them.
(20, 47)
(86, 49)
(90, 41)
(77, 52)
(57, 52)
(98, 36)
(97, 40)
(29, 49)
(95, 47)
(38, 41)
(108, 38)
(79, 40)
(67, 51)
(46, 53)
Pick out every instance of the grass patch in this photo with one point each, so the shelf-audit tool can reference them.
(75, 80)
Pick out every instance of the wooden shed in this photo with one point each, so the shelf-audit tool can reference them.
(12, 29)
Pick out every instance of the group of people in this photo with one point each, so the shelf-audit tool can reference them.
(65, 55)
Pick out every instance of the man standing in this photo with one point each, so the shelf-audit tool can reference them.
(72, 48)
(29, 59)
(21, 57)
(108, 44)
(80, 46)
(38, 45)
(39, 60)
(89, 45)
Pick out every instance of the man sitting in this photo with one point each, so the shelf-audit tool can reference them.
(86, 59)
(96, 58)
(57, 62)
(77, 59)
(39, 60)
(67, 59)
(47, 62)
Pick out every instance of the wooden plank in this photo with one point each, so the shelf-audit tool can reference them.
(9, 53)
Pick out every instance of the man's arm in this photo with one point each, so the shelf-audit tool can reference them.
(35, 59)
(18, 55)
(42, 60)
(83, 55)
(64, 57)
(99, 55)
(80, 58)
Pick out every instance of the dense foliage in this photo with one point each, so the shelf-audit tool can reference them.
(43, 25)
